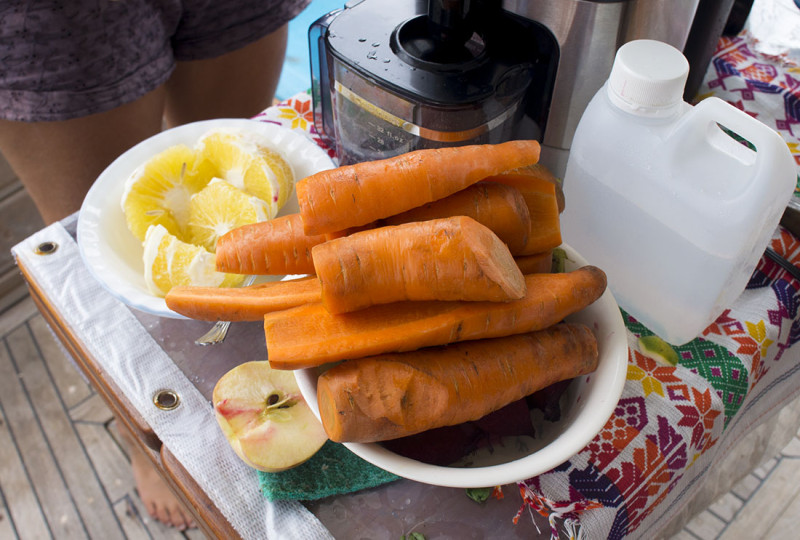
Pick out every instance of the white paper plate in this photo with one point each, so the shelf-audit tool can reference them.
(111, 252)
(585, 408)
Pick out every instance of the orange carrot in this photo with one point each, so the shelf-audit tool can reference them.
(535, 264)
(540, 171)
(540, 196)
(242, 303)
(351, 230)
(395, 395)
(453, 258)
(309, 335)
(499, 207)
(358, 194)
(274, 247)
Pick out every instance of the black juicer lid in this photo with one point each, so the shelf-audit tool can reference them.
(437, 54)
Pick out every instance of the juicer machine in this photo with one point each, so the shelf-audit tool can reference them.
(391, 77)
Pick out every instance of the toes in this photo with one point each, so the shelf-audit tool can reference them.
(152, 509)
(162, 515)
(178, 520)
(186, 521)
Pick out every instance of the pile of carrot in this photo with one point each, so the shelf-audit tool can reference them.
(429, 282)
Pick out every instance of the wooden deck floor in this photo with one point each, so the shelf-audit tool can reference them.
(63, 472)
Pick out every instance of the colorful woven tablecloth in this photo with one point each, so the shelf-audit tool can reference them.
(674, 422)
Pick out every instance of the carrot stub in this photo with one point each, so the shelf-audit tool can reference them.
(453, 258)
(242, 303)
(535, 264)
(543, 173)
(395, 395)
(541, 197)
(358, 194)
(274, 247)
(309, 335)
(499, 207)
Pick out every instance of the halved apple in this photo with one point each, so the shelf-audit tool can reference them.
(265, 418)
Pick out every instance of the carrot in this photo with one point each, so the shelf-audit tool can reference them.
(395, 395)
(242, 303)
(499, 207)
(274, 247)
(540, 196)
(535, 264)
(351, 230)
(308, 335)
(538, 170)
(357, 194)
(453, 258)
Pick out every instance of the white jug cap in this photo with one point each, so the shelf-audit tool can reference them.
(648, 77)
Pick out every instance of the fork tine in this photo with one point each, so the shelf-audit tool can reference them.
(220, 329)
(215, 335)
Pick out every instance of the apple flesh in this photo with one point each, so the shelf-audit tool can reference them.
(264, 417)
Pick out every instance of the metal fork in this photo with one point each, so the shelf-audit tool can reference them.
(220, 329)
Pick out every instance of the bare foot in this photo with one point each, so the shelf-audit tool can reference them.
(156, 495)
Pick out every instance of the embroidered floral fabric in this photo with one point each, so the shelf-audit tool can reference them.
(674, 422)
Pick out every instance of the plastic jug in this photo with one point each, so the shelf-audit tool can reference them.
(674, 209)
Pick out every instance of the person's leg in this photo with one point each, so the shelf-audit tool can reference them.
(238, 84)
(57, 162)
(155, 494)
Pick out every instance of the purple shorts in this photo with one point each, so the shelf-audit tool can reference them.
(62, 59)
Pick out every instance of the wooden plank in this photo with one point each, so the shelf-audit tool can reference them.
(29, 478)
(17, 492)
(6, 527)
(92, 409)
(705, 525)
(194, 534)
(726, 506)
(137, 523)
(17, 315)
(71, 385)
(773, 498)
(12, 289)
(73, 466)
(112, 466)
(113, 428)
(788, 523)
(129, 517)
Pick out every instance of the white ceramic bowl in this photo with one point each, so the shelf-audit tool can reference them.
(111, 252)
(585, 407)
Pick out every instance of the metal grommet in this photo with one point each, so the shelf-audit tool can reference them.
(46, 248)
(166, 400)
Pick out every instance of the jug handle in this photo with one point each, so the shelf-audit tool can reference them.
(320, 78)
(772, 156)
